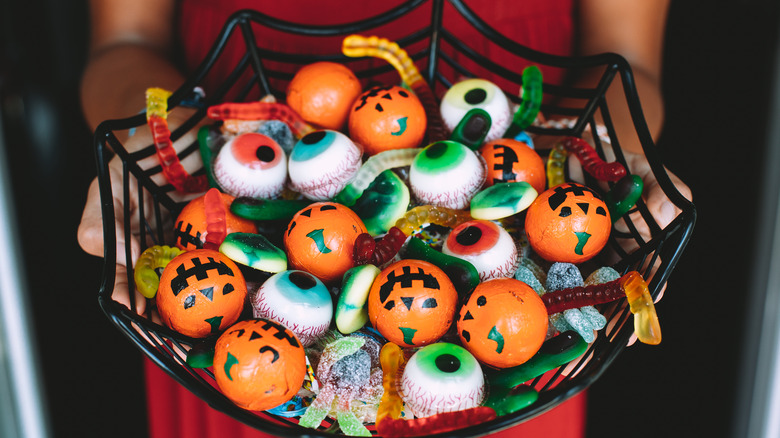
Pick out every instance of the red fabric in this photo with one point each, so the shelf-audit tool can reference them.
(545, 25)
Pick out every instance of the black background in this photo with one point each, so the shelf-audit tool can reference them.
(717, 77)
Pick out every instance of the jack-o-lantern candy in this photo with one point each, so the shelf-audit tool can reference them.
(486, 245)
(503, 323)
(322, 93)
(191, 227)
(387, 117)
(320, 239)
(298, 300)
(251, 164)
(412, 303)
(201, 293)
(477, 93)
(568, 223)
(510, 161)
(259, 364)
(322, 163)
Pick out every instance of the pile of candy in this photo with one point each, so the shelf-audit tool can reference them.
(406, 288)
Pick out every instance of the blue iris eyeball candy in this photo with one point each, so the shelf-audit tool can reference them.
(442, 377)
(297, 300)
(251, 165)
(477, 93)
(446, 174)
(322, 163)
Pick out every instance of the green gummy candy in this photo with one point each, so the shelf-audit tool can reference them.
(502, 200)
(473, 128)
(555, 352)
(351, 309)
(255, 251)
(508, 400)
(526, 275)
(623, 196)
(267, 209)
(351, 425)
(462, 273)
(384, 202)
(201, 355)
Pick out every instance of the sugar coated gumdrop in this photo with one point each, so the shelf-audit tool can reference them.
(201, 293)
(259, 364)
(503, 323)
(412, 303)
(320, 239)
(322, 93)
(387, 117)
(568, 223)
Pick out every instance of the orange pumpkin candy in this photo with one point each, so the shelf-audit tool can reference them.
(503, 323)
(509, 160)
(389, 117)
(201, 293)
(191, 225)
(259, 364)
(322, 93)
(412, 303)
(568, 223)
(320, 239)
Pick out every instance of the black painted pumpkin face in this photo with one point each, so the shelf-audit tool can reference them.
(201, 293)
(385, 118)
(568, 223)
(412, 303)
(259, 364)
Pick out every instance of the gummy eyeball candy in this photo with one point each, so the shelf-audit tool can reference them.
(389, 117)
(504, 322)
(477, 93)
(322, 93)
(252, 165)
(488, 247)
(442, 377)
(201, 293)
(511, 160)
(322, 164)
(191, 227)
(446, 174)
(320, 239)
(412, 303)
(568, 223)
(298, 300)
(259, 364)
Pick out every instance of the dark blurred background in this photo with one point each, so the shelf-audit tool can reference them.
(718, 77)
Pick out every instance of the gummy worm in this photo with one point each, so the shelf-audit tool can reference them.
(153, 259)
(373, 166)
(157, 119)
(261, 111)
(532, 102)
(646, 325)
(575, 297)
(591, 162)
(205, 154)
(267, 209)
(462, 273)
(472, 128)
(367, 250)
(216, 222)
(623, 196)
(555, 165)
(391, 357)
(356, 46)
(430, 214)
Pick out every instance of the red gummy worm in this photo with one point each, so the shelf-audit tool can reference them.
(216, 225)
(591, 162)
(363, 249)
(436, 129)
(171, 166)
(439, 423)
(261, 111)
(576, 297)
(367, 250)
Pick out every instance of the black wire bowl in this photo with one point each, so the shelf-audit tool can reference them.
(434, 48)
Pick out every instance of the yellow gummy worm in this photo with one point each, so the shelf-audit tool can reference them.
(147, 280)
(356, 46)
(391, 357)
(646, 325)
(157, 102)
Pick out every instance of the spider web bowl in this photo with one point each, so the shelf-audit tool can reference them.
(443, 56)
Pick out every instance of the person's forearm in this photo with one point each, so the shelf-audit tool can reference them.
(116, 78)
